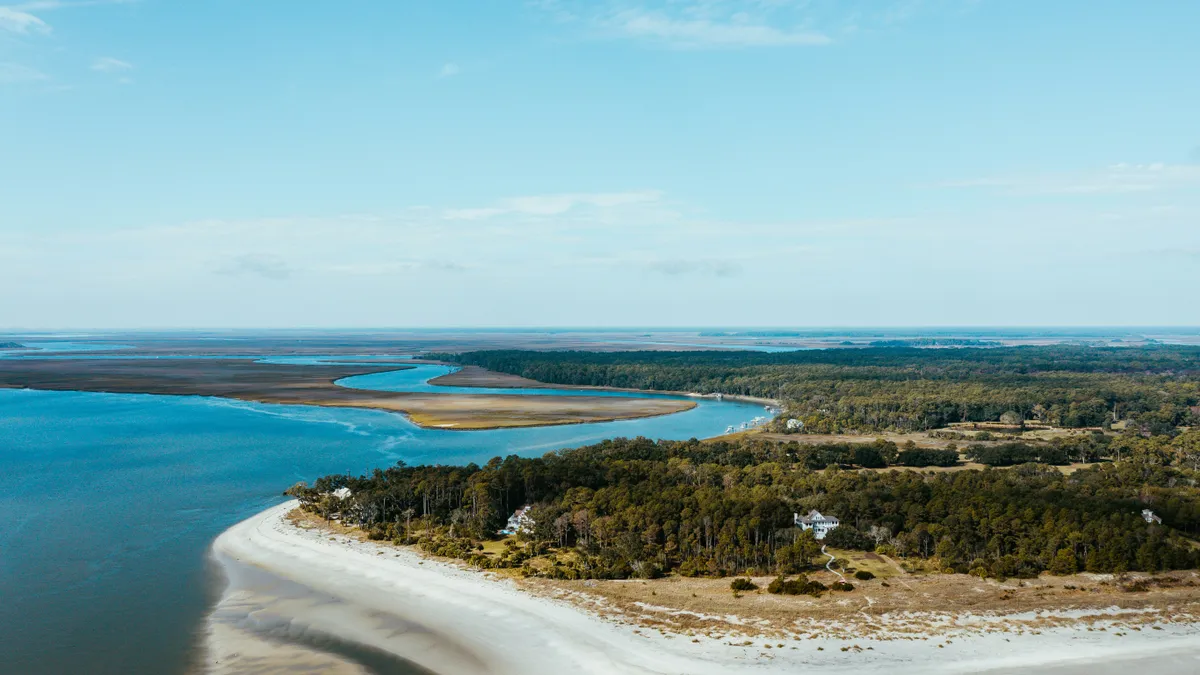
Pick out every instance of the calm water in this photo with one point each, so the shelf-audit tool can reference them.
(110, 502)
(40, 348)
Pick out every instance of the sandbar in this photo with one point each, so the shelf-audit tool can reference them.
(249, 380)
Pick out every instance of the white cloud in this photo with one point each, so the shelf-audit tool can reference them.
(555, 204)
(1114, 179)
(14, 20)
(449, 70)
(413, 267)
(733, 24)
(737, 31)
(18, 18)
(15, 73)
(390, 268)
(264, 265)
(43, 5)
(107, 64)
(711, 267)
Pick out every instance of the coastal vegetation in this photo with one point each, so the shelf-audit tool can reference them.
(902, 389)
(639, 508)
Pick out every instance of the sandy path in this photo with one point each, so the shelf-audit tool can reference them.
(829, 565)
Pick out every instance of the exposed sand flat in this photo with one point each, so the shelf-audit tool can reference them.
(452, 620)
(248, 380)
(488, 411)
(474, 376)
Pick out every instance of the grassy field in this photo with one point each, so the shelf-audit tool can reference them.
(883, 568)
(894, 603)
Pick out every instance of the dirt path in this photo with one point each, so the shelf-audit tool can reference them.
(829, 565)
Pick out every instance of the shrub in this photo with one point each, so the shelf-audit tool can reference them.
(801, 585)
(1064, 563)
(844, 586)
(920, 457)
(847, 537)
(742, 584)
(863, 575)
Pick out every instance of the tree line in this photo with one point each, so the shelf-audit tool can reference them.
(640, 508)
(1154, 388)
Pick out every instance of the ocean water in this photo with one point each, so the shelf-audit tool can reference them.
(109, 504)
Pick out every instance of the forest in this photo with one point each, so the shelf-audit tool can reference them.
(1153, 388)
(640, 508)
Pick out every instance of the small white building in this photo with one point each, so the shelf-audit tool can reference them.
(818, 523)
(342, 493)
(1150, 517)
(794, 424)
(519, 522)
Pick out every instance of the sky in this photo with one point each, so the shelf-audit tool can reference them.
(270, 163)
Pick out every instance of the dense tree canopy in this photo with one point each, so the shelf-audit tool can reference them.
(1157, 388)
(643, 508)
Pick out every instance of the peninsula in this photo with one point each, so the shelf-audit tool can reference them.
(250, 380)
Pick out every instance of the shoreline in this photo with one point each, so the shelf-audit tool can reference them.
(318, 385)
(479, 377)
(451, 619)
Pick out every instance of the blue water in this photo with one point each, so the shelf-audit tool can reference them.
(41, 348)
(110, 502)
(417, 377)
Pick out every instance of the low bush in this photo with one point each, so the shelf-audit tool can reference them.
(742, 584)
(801, 585)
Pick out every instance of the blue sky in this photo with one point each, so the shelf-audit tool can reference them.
(684, 162)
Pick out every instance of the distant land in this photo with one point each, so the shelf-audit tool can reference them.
(11, 345)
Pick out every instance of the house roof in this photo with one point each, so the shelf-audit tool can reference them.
(813, 516)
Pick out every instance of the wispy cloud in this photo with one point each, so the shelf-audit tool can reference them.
(1114, 179)
(735, 24)
(16, 20)
(389, 268)
(19, 18)
(45, 5)
(262, 265)
(108, 64)
(449, 70)
(713, 268)
(555, 204)
(739, 30)
(15, 73)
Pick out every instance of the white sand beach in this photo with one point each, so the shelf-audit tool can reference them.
(304, 599)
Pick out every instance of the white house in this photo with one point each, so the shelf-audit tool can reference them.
(1149, 517)
(519, 522)
(819, 524)
(794, 424)
(342, 493)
